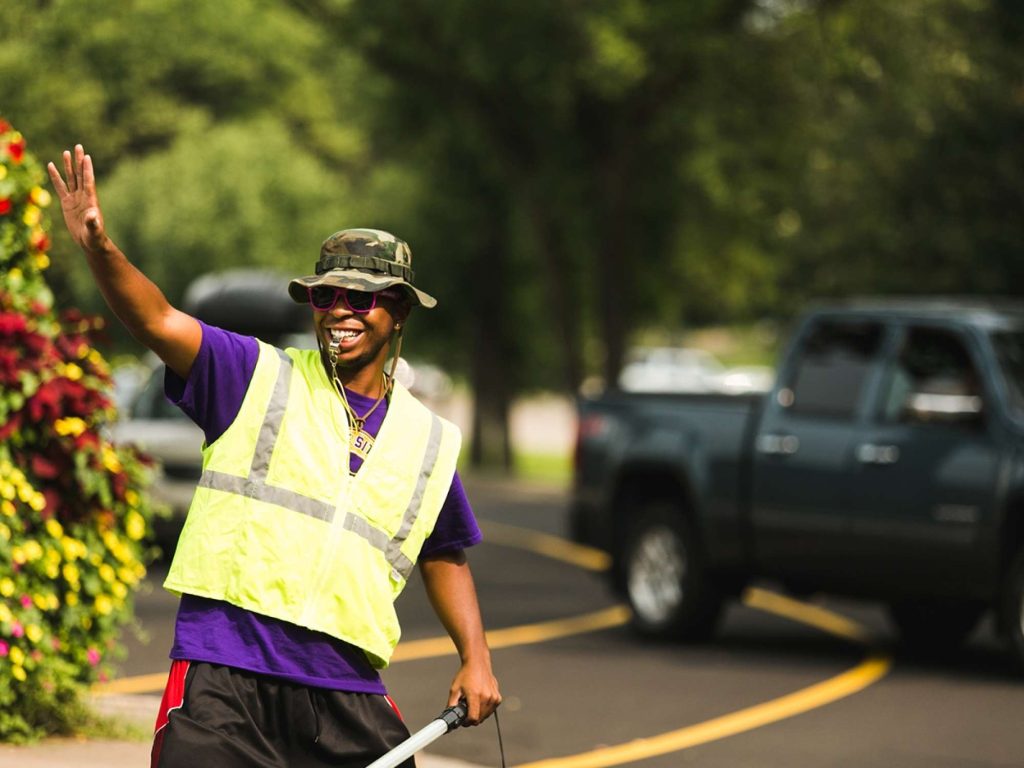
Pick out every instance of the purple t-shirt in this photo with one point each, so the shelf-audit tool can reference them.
(220, 633)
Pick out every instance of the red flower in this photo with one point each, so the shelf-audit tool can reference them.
(11, 323)
(16, 149)
(44, 468)
(40, 241)
(53, 503)
(4, 126)
(13, 425)
(5, 206)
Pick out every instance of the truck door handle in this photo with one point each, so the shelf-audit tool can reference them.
(778, 445)
(869, 453)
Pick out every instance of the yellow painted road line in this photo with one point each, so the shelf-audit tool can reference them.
(579, 555)
(139, 684)
(792, 704)
(787, 607)
(430, 647)
(818, 695)
(525, 634)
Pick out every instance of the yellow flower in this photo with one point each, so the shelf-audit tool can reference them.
(14, 275)
(71, 574)
(40, 197)
(52, 570)
(127, 575)
(7, 507)
(5, 614)
(8, 491)
(72, 425)
(32, 550)
(103, 605)
(5, 532)
(71, 599)
(72, 372)
(131, 497)
(110, 460)
(41, 601)
(3, 172)
(54, 528)
(33, 633)
(19, 673)
(120, 590)
(86, 622)
(17, 656)
(18, 555)
(42, 261)
(135, 526)
(32, 215)
(37, 502)
(73, 548)
(6, 587)
(107, 573)
(52, 602)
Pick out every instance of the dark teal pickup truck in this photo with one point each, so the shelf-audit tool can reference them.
(886, 463)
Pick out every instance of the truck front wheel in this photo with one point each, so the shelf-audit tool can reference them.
(1011, 610)
(667, 584)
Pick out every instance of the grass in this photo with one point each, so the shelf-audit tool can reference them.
(550, 469)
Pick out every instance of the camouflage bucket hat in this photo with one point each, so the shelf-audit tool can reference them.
(365, 260)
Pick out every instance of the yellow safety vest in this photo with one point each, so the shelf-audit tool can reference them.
(278, 526)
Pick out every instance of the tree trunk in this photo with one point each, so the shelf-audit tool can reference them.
(491, 445)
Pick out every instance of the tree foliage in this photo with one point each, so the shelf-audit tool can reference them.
(568, 174)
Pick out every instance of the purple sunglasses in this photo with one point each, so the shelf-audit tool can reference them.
(323, 298)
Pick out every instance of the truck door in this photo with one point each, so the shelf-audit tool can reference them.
(801, 479)
(925, 471)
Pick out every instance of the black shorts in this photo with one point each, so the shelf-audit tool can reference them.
(223, 717)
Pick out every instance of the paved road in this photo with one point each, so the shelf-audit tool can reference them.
(791, 694)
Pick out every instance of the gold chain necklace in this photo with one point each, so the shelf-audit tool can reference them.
(360, 441)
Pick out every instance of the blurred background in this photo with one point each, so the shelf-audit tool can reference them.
(586, 186)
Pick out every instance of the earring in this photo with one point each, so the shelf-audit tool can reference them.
(398, 326)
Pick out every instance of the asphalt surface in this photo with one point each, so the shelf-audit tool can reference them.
(777, 681)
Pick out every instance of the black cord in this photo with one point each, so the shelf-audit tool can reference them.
(501, 745)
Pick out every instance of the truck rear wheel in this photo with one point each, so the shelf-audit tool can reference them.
(667, 584)
(1011, 610)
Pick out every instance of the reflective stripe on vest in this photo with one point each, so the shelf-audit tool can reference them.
(255, 484)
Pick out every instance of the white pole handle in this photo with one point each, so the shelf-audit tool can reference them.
(448, 720)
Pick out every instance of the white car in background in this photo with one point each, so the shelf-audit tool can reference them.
(688, 370)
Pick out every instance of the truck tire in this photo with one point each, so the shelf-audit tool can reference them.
(667, 585)
(1011, 610)
(933, 626)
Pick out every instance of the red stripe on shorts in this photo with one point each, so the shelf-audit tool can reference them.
(394, 707)
(174, 698)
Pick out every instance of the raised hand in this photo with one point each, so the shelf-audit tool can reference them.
(78, 200)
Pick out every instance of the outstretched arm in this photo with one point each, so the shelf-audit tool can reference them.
(450, 587)
(138, 303)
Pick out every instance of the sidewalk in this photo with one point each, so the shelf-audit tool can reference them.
(141, 709)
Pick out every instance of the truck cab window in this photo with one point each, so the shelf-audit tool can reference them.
(933, 381)
(834, 361)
